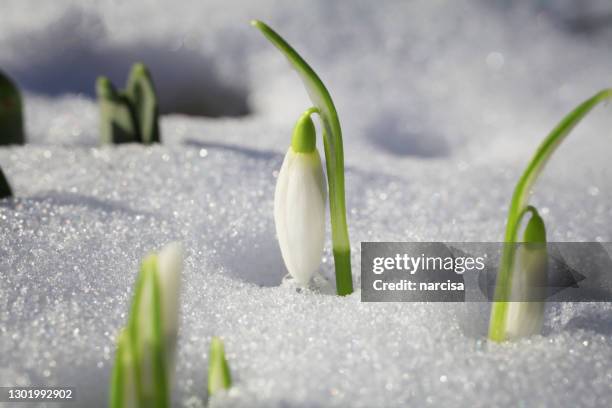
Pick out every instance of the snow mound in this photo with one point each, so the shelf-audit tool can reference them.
(85, 217)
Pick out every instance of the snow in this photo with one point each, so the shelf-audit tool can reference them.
(441, 103)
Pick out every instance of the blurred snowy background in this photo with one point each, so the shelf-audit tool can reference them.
(442, 103)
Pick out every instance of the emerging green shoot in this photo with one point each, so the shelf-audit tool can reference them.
(518, 206)
(117, 117)
(130, 115)
(144, 361)
(142, 95)
(334, 156)
(11, 112)
(5, 187)
(219, 377)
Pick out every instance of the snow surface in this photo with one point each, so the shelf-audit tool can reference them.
(441, 103)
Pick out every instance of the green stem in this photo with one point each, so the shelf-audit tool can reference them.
(334, 157)
(160, 378)
(518, 204)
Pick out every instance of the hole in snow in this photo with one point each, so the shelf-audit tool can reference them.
(259, 263)
(70, 54)
(407, 136)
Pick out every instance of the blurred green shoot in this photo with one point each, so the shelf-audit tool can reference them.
(130, 115)
(11, 112)
(5, 187)
(144, 361)
(219, 377)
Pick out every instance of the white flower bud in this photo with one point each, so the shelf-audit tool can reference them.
(529, 282)
(299, 204)
(169, 269)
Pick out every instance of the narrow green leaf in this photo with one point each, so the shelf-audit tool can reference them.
(141, 91)
(136, 320)
(160, 377)
(122, 378)
(143, 344)
(219, 377)
(5, 187)
(11, 112)
(518, 206)
(118, 122)
(334, 156)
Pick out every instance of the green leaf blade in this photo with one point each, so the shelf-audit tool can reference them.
(118, 122)
(11, 112)
(141, 92)
(5, 187)
(219, 376)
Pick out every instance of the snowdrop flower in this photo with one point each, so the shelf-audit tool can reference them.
(529, 282)
(299, 203)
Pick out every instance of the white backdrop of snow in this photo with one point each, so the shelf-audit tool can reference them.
(441, 104)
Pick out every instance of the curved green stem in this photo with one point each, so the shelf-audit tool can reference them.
(334, 157)
(518, 204)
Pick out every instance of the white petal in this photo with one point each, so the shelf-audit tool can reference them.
(280, 195)
(169, 267)
(528, 282)
(299, 213)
